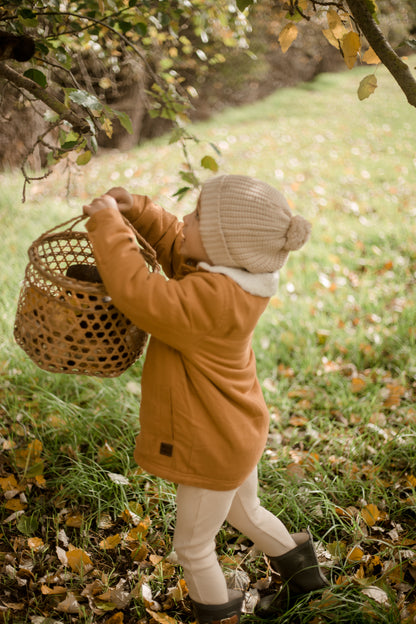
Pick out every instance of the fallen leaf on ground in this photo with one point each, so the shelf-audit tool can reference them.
(69, 605)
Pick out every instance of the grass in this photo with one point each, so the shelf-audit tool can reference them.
(336, 358)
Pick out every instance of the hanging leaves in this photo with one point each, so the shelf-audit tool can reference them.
(287, 36)
(367, 86)
(209, 163)
(370, 57)
(350, 46)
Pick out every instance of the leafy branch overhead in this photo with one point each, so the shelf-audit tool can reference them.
(47, 46)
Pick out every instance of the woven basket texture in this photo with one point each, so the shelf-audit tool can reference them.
(68, 325)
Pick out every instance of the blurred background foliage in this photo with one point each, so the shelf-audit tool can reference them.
(76, 76)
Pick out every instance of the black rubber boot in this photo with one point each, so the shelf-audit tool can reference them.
(227, 613)
(299, 568)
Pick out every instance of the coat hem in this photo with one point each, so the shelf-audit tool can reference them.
(191, 479)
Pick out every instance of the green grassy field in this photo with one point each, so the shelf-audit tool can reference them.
(336, 357)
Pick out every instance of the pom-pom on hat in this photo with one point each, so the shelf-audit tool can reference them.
(247, 224)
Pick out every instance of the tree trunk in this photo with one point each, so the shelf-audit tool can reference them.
(398, 68)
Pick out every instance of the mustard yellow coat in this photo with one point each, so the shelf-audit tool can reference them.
(203, 418)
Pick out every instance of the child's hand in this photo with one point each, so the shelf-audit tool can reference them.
(123, 198)
(100, 203)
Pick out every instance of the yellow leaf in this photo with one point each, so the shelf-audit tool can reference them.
(140, 553)
(40, 480)
(162, 618)
(166, 570)
(341, 512)
(298, 421)
(117, 618)
(105, 452)
(8, 483)
(105, 82)
(411, 479)
(355, 554)
(350, 46)
(78, 560)
(139, 531)
(178, 592)
(395, 393)
(329, 36)
(370, 514)
(357, 384)
(35, 543)
(287, 36)
(335, 24)
(74, 520)
(275, 302)
(370, 57)
(52, 591)
(304, 404)
(30, 455)
(107, 126)
(367, 86)
(14, 505)
(110, 542)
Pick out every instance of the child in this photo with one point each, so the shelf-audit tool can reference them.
(204, 421)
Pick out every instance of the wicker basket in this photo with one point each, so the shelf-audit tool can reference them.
(68, 325)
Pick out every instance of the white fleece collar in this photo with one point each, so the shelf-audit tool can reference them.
(260, 284)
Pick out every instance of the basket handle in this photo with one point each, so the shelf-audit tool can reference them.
(147, 250)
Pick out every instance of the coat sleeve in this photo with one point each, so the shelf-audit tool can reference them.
(162, 230)
(177, 312)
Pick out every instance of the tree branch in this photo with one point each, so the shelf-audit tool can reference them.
(398, 68)
(47, 96)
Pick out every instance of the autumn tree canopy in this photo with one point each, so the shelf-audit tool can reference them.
(46, 47)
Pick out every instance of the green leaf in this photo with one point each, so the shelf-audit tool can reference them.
(27, 525)
(68, 145)
(124, 26)
(28, 18)
(37, 76)
(189, 177)
(42, 48)
(125, 121)
(141, 28)
(83, 98)
(50, 159)
(216, 149)
(209, 163)
(243, 4)
(84, 158)
(27, 13)
(176, 135)
(68, 140)
(181, 192)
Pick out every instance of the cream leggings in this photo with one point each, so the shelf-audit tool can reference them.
(200, 515)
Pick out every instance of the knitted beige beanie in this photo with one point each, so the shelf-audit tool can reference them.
(247, 224)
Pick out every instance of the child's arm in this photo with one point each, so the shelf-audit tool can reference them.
(168, 309)
(160, 228)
